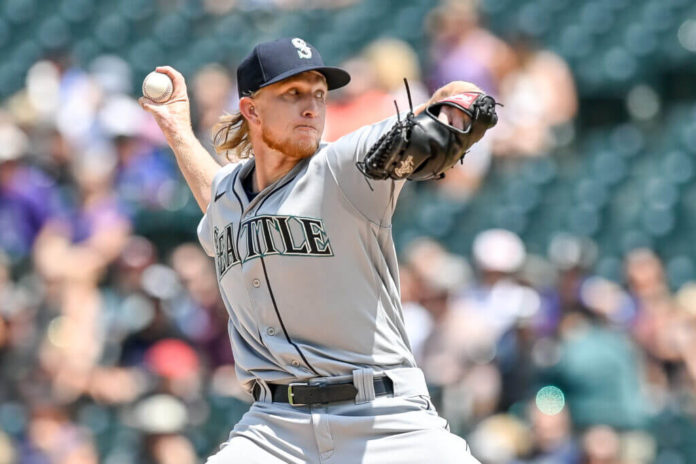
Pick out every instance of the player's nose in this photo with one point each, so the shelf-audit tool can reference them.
(311, 108)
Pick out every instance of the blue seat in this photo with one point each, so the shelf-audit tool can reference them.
(76, 11)
(678, 167)
(680, 270)
(144, 55)
(658, 221)
(172, 31)
(137, 10)
(609, 167)
(53, 33)
(112, 32)
(20, 11)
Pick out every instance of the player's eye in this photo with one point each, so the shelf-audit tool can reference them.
(292, 92)
(320, 95)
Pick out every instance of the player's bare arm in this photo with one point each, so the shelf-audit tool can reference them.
(174, 119)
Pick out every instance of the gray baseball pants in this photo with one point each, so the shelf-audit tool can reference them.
(403, 429)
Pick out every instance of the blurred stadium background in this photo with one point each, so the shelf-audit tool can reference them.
(549, 282)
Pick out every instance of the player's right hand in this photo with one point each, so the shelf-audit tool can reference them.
(174, 115)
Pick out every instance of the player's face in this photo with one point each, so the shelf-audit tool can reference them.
(292, 113)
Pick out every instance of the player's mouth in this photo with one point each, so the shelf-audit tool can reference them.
(307, 128)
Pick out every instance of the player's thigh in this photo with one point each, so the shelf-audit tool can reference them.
(244, 451)
(419, 447)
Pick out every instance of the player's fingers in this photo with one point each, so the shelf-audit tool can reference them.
(147, 104)
(444, 119)
(453, 117)
(169, 71)
(457, 119)
(176, 77)
(463, 86)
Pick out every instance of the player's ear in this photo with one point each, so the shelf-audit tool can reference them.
(247, 106)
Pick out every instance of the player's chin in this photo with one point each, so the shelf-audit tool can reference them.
(303, 147)
(308, 141)
(307, 135)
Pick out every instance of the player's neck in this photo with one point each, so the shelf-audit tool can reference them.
(271, 165)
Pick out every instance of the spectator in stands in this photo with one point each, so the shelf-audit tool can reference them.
(198, 309)
(456, 354)
(393, 61)
(359, 103)
(7, 452)
(599, 367)
(161, 419)
(53, 438)
(601, 445)
(552, 438)
(498, 300)
(145, 177)
(213, 93)
(539, 96)
(501, 439)
(662, 325)
(686, 301)
(439, 275)
(73, 255)
(462, 49)
(28, 197)
(656, 312)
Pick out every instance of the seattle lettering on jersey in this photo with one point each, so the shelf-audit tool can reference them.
(269, 235)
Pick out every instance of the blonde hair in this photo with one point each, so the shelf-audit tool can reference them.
(392, 60)
(231, 136)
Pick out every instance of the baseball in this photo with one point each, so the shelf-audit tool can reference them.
(158, 87)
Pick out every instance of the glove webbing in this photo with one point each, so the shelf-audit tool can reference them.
(378, 164)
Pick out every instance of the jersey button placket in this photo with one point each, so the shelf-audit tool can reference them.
(270, 331)
(256, 283)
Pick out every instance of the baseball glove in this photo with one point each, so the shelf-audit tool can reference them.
(423, 147)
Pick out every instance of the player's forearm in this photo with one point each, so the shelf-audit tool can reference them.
(173, 116)
(196, 165)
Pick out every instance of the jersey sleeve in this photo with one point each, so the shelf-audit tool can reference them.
(205, 226)
(374, 199)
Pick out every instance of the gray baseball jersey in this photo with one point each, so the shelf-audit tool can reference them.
(307, 269)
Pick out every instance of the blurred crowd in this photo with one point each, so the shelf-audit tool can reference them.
(537, 360)
(113, 342)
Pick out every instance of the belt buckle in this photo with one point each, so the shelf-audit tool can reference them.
(291, 395)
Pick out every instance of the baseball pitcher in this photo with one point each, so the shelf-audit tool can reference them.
(300, 233)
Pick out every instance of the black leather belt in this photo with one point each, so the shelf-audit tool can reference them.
(301, 394)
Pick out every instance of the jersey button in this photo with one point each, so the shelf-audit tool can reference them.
(256, 283)
(295, 363)
(271, 331)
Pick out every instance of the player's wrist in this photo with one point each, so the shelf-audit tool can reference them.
(182, 138)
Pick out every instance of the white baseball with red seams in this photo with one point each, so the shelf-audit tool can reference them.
(158, 87)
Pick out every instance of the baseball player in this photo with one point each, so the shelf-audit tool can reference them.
(301, 238)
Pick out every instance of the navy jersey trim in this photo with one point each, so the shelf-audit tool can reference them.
(258, 208)
(241, 206)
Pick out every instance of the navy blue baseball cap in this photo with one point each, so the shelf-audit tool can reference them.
(271, 62)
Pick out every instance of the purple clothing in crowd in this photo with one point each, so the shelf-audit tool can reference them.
(460, 63)
(28, 198)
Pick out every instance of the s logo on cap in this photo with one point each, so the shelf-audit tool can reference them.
(303, 51)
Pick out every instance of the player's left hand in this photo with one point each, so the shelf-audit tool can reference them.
(448, 114)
